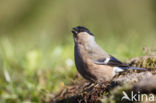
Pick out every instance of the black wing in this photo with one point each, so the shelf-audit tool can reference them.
(111, 61)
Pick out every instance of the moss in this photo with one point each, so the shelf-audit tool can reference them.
(148, 62)
(116, 94)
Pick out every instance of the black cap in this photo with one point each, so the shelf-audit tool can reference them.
(79, 29)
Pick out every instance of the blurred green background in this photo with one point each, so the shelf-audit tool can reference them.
(36, 43)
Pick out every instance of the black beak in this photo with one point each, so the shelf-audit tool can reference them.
(74, 31)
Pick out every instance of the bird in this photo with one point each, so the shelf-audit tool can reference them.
(92, 62)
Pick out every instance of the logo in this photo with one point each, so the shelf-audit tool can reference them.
(137, 97)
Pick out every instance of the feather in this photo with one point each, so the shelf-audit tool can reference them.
(112, 61)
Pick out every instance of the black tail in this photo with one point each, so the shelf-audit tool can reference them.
(134, 68)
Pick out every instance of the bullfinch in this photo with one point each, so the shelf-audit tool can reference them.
(91, 61)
